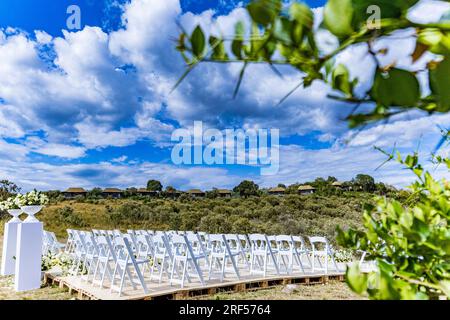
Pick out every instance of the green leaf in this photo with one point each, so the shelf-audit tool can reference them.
(338, 16)
(302, 14)
(236, 48)
(218, 48)
(436, 41)
(264, 11)
(283, 30)
(396, 88)
(440, 83)
(356, 280)
(341, 80)
(198, 42)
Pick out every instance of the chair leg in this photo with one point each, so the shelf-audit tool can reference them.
(122, 280)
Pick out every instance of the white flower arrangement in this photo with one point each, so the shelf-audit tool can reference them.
(9, 204)
(32, 198)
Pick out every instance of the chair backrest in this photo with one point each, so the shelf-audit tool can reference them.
(144, 247)
(122, 248)
(161, 244)
(104, 246)
(316, 242)
(299, 242)
(258, 241)
(245, 241)
(179, 246)
(217, 243)
(272, 240)
(284, 242)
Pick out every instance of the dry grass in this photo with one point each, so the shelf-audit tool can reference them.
(331, 291)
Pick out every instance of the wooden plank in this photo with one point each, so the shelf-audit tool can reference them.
(247, 283)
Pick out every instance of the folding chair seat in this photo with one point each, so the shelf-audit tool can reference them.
(126, 264)
(184, 262)
(321, 250)
(220, 257)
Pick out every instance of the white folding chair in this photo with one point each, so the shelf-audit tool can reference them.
(301, 251)
(221, 255)
(321, 249)
(91, 256)
(198, 247)
(184, 261)
(286, 253)
(106, 257)
(79, 253)
(125, 260)
(162, 256)
(261, 251)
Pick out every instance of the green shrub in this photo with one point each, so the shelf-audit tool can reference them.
(67, 216)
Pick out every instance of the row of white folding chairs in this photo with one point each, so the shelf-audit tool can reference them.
(180, 256)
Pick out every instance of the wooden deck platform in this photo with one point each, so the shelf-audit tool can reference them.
(85, 290)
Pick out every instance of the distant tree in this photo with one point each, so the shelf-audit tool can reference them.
(154, 185)
(213, 194)
(331, 179)
(53, 194)
(280, 185)
(293, 188)
(170, 189)
(7, 189)
(247, 188)
(364, 182)
(129, 192)
(95, 193)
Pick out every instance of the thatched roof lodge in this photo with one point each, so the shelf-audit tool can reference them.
(278, 191)
(306, 189)
(112, 193)
(146, 193)
(224, 193)
(196, 193)
(74, 192)
(340, 185)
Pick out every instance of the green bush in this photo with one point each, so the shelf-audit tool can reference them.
(67, 216)
(410, 244)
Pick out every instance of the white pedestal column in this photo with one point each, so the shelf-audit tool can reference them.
(9, 247)
(29, 255)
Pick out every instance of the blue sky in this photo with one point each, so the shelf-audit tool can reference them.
(91, 107)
